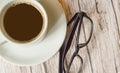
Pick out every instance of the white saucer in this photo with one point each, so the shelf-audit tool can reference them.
(40, 52)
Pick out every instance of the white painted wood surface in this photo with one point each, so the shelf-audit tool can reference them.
(102, 55)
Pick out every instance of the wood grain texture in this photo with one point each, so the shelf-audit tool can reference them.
(102, 55)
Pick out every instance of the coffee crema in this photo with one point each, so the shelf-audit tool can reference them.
(23, 22)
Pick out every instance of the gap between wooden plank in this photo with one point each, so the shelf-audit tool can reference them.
(99, 13)
(38, 68)
(86, 40)
(118, 32)
(45, 67)
(31, 69)
(116, 19)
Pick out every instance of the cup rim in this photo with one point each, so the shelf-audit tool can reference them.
(35, 4)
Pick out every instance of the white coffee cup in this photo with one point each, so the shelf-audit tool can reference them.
(35, 4)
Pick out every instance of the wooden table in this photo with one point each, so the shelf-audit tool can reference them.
(102, 55)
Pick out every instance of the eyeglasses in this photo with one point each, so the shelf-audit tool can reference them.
(77, 20)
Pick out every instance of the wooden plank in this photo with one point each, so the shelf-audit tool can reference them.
(1, 66)
(105, 33)
(103, 52)
(38, 69)
(10, 68)
(51, 65)
(89, 7)
(116, 5)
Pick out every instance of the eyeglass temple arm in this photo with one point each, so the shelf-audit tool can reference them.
(63, 49)
(80, 15)
(78, 18)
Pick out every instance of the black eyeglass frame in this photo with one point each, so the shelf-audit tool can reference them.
(77, 20)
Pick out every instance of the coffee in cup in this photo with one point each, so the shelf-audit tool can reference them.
(23, 21)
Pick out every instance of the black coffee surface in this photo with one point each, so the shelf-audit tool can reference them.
(23, 22)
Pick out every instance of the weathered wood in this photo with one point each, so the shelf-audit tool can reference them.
(38, 69)
(102, 55)
(10, 68)
(51, 65)
(103, 50)
(115, 4)
(105, 34)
